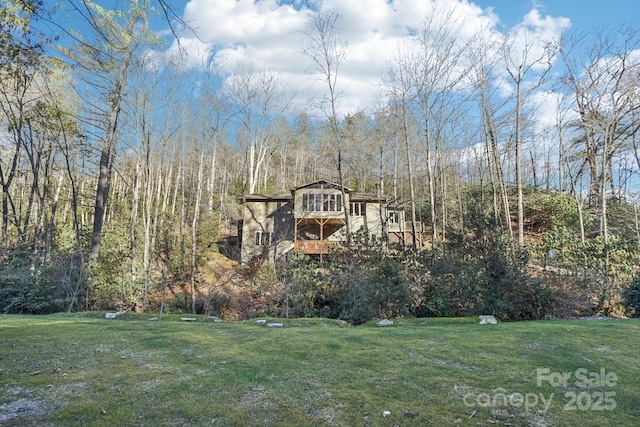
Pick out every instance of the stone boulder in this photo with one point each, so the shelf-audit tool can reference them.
(488, 320)
(113, 315)
(385, 322)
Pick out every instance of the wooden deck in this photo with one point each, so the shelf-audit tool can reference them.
(315, 247)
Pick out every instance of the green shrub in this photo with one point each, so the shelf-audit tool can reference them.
(631, 298)
(372, 289)
(352, 279)
(28, 294)
(25, 290)
(388, 291)
(442, 284)
(544, 210)
(111, 286)
(532, 301)
(181, 304)
(307, 293)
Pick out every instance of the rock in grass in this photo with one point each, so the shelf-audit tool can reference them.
(188, 319)
(385, 322)
(274, 325)
(113, 315)
(488, 320)
(261, 322)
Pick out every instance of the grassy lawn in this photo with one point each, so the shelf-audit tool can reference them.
(77, 370)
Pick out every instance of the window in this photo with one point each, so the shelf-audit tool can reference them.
(263, 238)
(357, 209)
(321, 202)
(394, 217)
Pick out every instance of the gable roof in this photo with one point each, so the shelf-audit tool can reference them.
(369, 197)
(264, 197)
(321, 183)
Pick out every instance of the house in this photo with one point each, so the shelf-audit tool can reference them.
(311, 219)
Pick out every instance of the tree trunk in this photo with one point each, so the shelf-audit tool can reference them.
(518, 149)
(432, 197)
(146, 254)
(134, 222)
(102, 194)
(194, 234)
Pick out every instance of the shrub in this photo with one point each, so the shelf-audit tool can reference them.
(372, 290)
(28, 294)
(352, 279)
(179, 304)
(442, 283)
(545, 210)
(388, 291)
(307, 293)
(25, 291)
(631, 298)
(532, 301)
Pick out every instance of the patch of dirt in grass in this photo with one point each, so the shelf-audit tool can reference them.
(257, 403)
(218, 364)
(23, 404)
(459, 390)
(25, 408)
(320, 412)
(253, 395)
(150, 386)
(498, 407)
(67, 389)
(326, 414)
(529, 345)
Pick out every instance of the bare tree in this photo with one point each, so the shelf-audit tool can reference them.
(528, 63)
(103, 55)
(20, 67)
(568, 172)
(439, 75)
(604, 85)
(400, 97)
(327, 51)
(258, 99)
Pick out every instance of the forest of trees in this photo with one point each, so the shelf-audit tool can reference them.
(121, 170)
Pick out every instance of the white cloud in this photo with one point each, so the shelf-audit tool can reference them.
(545, 27)
(529, 40)
(266, 34)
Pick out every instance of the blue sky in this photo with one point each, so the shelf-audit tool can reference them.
(266, 33)
(584, 14)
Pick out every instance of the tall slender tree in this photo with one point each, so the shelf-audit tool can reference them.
(327, 51)
(258, 98)
(21, 59)
(104, 55)
(438, 76)
(528, 63)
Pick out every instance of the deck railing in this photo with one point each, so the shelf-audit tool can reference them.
(315, 247)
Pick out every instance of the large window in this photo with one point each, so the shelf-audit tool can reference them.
(321, 202)
(263, 238)
(357, 209)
